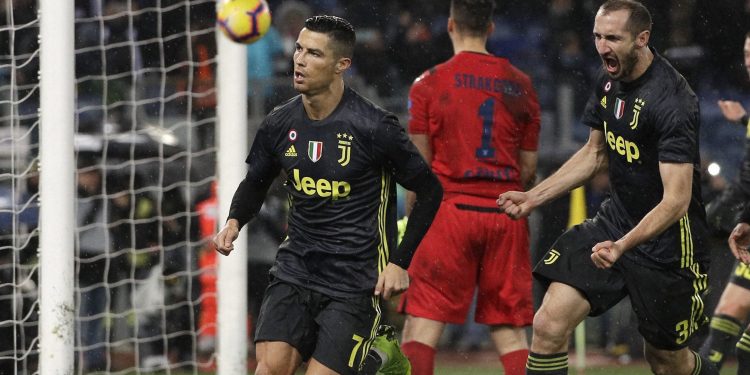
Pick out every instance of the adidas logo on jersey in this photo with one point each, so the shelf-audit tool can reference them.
(291, 152)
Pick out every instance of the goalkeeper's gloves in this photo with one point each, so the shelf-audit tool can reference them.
(402, 227)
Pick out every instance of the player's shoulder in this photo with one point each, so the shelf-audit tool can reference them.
(672, 85)
(515, 74)
(426, 77)
(434, 73)
(663, 70)
(666, 76)
(285, 108)
(283, 114)
(363, 110)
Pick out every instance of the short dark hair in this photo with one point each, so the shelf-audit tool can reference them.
(338, 29)
(640, 18)
(472, 16)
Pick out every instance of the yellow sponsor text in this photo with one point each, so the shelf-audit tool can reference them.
(321, 187)
(622, 146)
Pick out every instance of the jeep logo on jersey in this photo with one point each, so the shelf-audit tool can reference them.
(619, 108)
(322, 187)
(621, 145)
(315, 150)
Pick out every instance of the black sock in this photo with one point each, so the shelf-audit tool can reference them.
(742, 350)
(547, 364)
(722, 336)
(703, 366)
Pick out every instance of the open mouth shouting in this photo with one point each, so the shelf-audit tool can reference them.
(611, 64)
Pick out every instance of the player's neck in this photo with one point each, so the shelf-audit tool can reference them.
(320, 105)
(468, 44)
(645, 58)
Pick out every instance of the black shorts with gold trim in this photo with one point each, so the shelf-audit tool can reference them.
(740, 275)
(336, 332)
(666, 299)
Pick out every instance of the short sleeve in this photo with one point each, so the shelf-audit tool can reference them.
(262, 163)
(392, 145)
(677, 131)
(418, 105)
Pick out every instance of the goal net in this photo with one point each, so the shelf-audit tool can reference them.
(144, 164)
(19, 121)
(145, 114)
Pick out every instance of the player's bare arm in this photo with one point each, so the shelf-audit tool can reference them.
(732, 110)
(528, 161)
(739, 240)
(224, 240)
(583, 165)
(677, 179)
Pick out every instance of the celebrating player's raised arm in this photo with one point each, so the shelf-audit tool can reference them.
(583, 165)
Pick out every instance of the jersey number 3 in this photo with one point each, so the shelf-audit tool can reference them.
(487, 114)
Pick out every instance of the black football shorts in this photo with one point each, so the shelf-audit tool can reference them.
(666, 299)
(741, 275)
(335, 332)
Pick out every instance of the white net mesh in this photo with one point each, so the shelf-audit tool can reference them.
(145, 115)
(19, 97)
(145, 104)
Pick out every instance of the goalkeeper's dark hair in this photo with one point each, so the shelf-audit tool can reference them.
(338, 29)
(472, 16)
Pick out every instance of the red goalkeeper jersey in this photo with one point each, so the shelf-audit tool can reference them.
(479, 111)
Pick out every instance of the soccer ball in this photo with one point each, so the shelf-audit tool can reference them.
(243, 21)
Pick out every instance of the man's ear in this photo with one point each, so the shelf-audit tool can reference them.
(641, 40)
(343, 64)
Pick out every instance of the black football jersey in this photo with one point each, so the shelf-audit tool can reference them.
(744, 178)
(744, 175)
(650, 120)
(341, 175)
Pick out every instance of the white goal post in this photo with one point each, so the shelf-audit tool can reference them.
(56, 186)
(233, 141)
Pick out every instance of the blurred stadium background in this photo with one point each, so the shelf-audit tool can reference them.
(145, 116)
